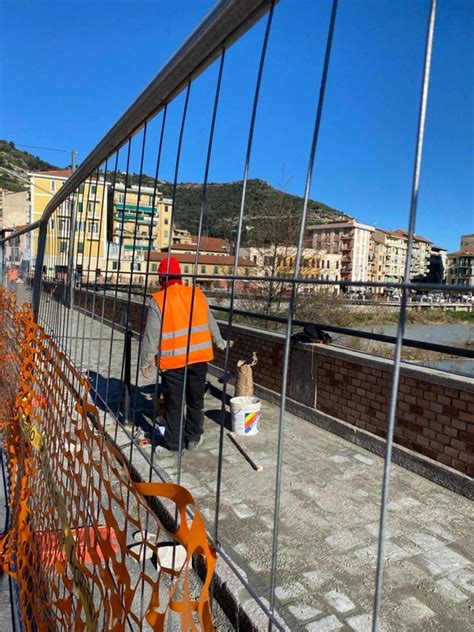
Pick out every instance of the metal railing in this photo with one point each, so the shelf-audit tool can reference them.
(77, 266)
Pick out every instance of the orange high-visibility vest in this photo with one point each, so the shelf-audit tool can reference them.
(175, 330)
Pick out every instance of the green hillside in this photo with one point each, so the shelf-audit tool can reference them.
(263, 205)
(267, 209)
(18, 162)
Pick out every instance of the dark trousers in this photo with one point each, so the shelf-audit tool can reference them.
(173, 384)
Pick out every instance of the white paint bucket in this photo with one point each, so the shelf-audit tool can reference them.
(245, 415)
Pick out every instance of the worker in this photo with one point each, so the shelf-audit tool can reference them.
(12, 278)
(185, 341)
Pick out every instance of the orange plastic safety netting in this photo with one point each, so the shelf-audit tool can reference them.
(87, 551)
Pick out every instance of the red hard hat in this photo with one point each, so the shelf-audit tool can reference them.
(169, 265)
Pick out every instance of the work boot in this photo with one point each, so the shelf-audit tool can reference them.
(195, 443)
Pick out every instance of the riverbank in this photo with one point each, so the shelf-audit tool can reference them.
(423, 316)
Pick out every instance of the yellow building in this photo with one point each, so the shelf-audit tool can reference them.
(90, 244)
(141, 224)
(106, 245)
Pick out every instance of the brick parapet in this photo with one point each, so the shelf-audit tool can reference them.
(434, 414)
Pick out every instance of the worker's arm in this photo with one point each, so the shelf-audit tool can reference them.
(151, 336)
(215, 331)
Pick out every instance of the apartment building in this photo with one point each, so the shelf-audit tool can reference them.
(349, 239)
(113, 226)
(388, 252)
(274, 260)
(460, 265)
(141, 212)
(14, 214)
(467, 241)
(421, 253)
(88, 232)
(14, 209)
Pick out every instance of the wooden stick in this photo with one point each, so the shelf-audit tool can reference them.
(257, 468)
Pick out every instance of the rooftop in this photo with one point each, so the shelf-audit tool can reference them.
(403, 233)
(464, 251)
(209, 244)
(223, 260)
(57, 173)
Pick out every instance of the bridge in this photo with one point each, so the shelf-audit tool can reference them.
(351, 507)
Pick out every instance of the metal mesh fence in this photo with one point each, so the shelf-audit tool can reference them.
(99, 242)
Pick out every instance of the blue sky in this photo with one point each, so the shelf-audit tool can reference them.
(70, 69)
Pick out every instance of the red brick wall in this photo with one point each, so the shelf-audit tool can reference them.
(269, 350)
(431, 419)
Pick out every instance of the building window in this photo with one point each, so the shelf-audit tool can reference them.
(121, 197)
(63, 246)
(115, 265)
(150, 200)
(216, 270)
(53, 185)
(203, 269)
(93, 228)
(167, 208)
(166, 221)
(80, 207)
(137, 266)
(93, 189)
(186, 269)
(91, 207)
(153, 267)
(80, 247)
(52, 224)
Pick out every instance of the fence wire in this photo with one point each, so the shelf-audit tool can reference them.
(95, 268)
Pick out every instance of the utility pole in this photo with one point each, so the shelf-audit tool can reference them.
(73, 160)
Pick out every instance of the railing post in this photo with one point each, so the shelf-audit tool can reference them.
(2, 254)
(37, 281)
(69, 300)
(127, 380)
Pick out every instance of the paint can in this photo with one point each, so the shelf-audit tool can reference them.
(245, 414)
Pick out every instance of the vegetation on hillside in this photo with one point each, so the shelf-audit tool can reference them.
(20, 163)
(222, 207)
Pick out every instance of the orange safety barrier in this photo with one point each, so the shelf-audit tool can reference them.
(86, 549)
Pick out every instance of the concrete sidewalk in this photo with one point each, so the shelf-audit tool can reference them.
(330, 505)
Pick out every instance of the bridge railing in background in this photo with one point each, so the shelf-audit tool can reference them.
(96, 246)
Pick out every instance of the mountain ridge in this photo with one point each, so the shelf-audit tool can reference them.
(223, 199)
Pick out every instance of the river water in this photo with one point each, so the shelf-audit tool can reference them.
(460, 335)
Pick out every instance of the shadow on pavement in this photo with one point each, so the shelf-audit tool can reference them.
(112, 396)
